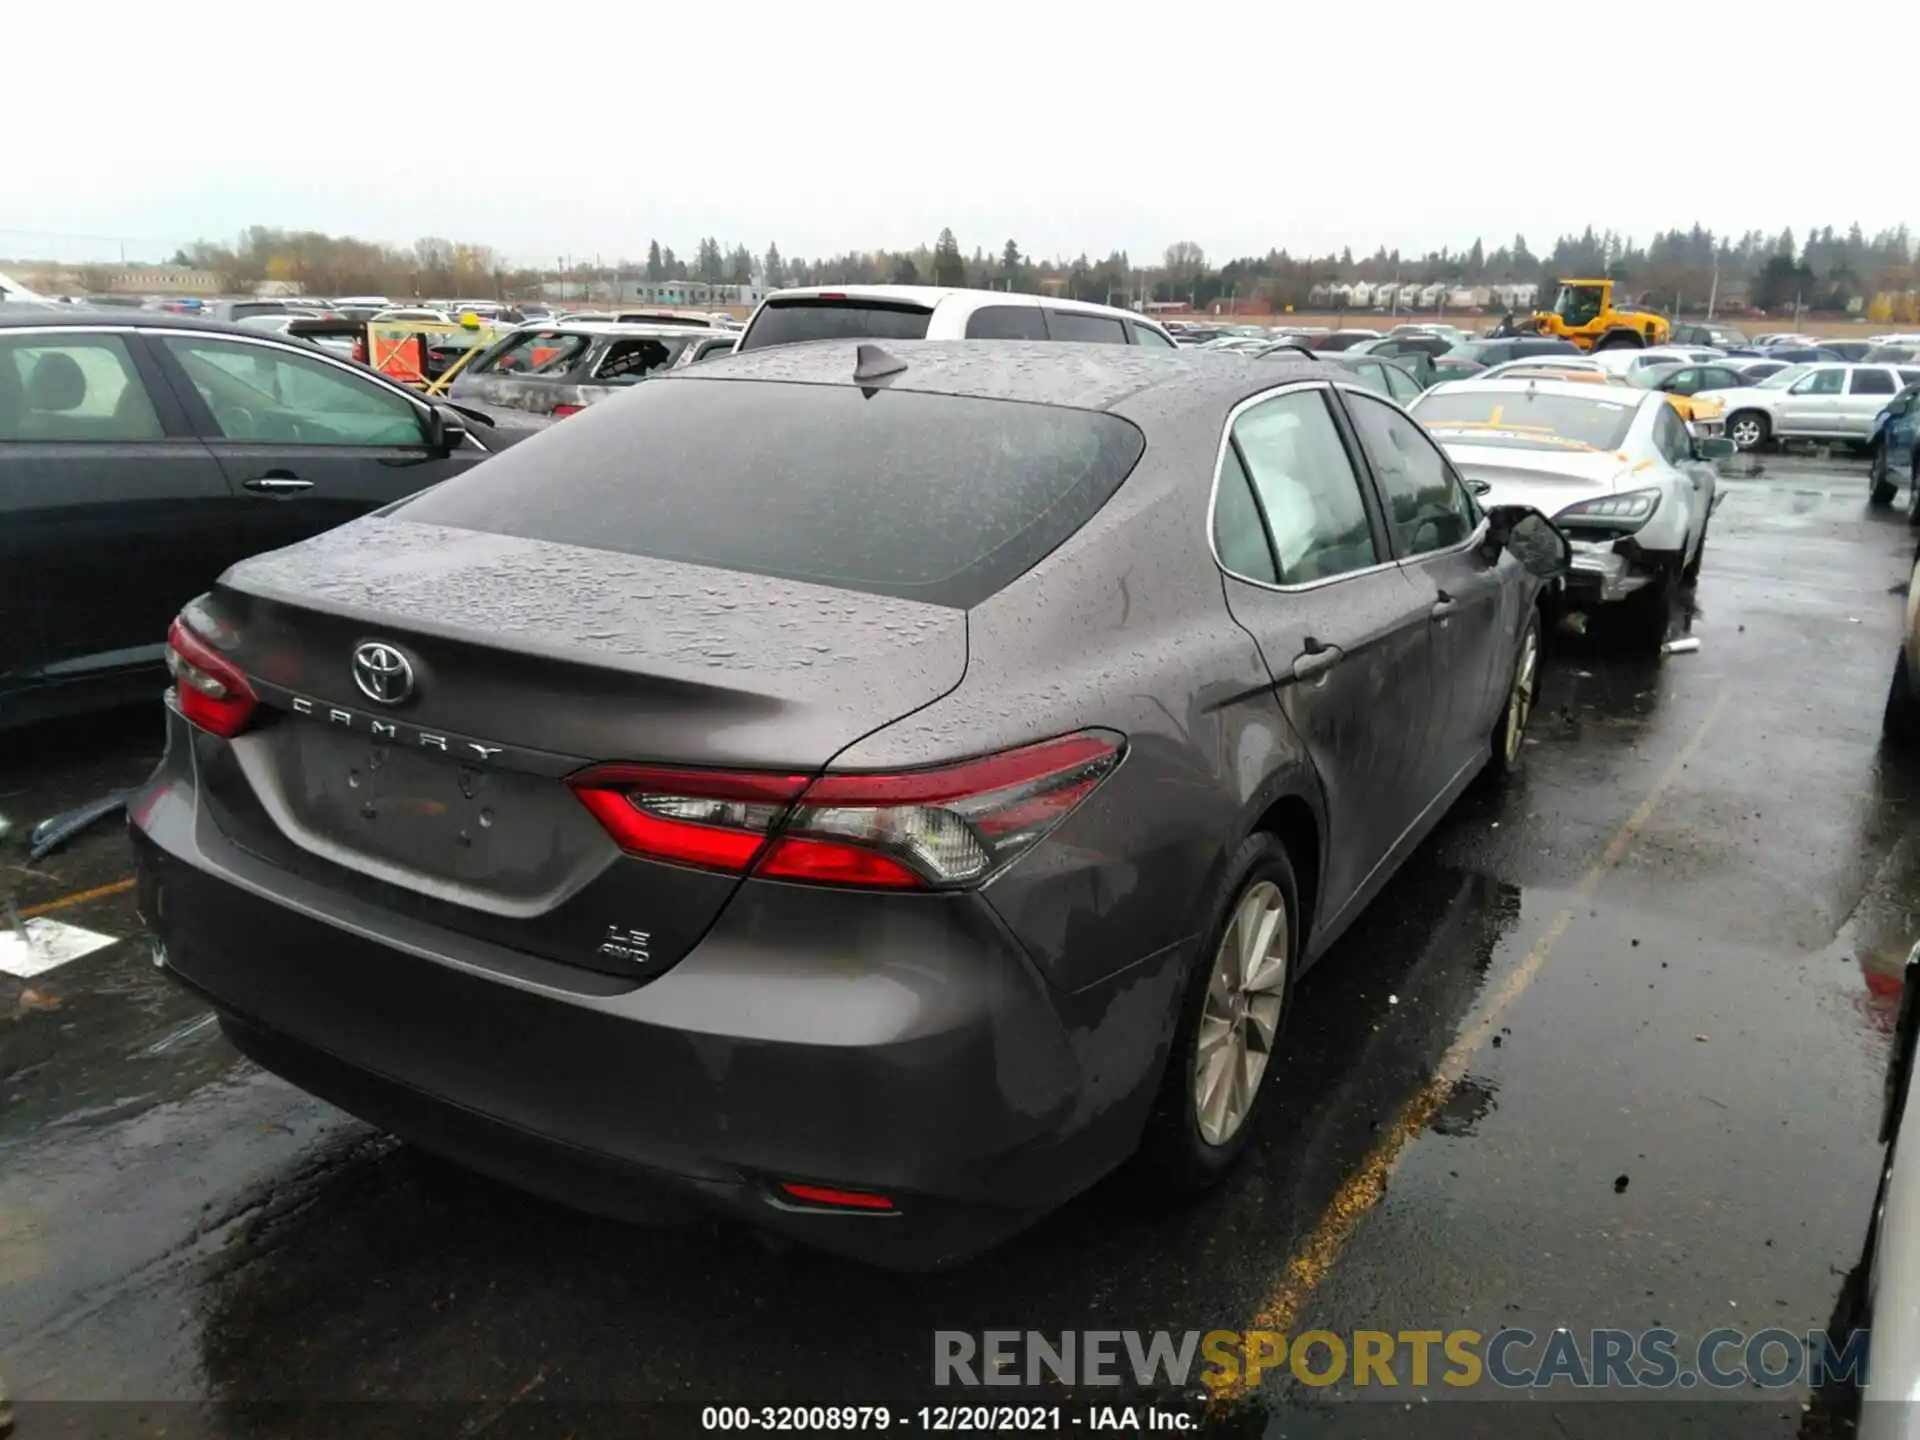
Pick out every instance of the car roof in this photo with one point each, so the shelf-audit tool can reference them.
(927, 297)
(75, 317)
(617, 327)
(1079, 376)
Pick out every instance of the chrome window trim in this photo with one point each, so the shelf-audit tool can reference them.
(264, 341)
(1291, 387)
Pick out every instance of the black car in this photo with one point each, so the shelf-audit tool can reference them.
(1516, 347)
(142, 455)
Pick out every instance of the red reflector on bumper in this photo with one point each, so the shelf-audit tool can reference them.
(838, 1199)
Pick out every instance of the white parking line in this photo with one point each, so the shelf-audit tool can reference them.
(45, 945)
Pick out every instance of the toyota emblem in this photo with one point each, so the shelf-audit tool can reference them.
(382, 673)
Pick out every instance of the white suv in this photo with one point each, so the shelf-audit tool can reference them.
(927, 312)
(1829, 401)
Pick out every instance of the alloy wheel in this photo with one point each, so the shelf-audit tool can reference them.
(1745, 433)
(1520, 702)
(1241, 1015)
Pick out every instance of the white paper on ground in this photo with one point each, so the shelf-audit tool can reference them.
(49, 944)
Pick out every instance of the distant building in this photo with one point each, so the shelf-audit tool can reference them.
(161, 280)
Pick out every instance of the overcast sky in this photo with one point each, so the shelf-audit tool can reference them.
(594, 126)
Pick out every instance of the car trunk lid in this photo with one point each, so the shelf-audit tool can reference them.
(529, 660)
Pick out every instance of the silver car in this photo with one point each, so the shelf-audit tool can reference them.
(1827, 401)
(1615, 468)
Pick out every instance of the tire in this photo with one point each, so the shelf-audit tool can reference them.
(1510, 730)
(1753, 425)
(1643, 615)
(1174, 1153)
(1618, 340)
(1913, 490)
(1690, 572)
(1901, 720)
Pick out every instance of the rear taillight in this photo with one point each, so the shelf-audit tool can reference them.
(360, 351)
(938, 829)
(560, 412)
(213, 693)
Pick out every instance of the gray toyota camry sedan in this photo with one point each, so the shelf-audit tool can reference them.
(874, 789)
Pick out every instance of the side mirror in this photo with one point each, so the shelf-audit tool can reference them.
(1536, 542)
(445, 429)
(1713, 447)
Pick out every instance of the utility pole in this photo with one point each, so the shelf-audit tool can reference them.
(1714, 294)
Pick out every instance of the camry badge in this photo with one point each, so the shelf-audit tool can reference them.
(382, 673)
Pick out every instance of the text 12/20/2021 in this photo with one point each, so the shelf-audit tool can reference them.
(998, 1419)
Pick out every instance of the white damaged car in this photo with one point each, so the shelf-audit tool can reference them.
(1616, 469)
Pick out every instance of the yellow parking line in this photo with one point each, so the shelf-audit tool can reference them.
(79, 897)
(1361, 1191)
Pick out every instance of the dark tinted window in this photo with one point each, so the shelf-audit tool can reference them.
(1306, 486)
(927, 497)
(1237, 532)
(1872, 382)
(1910, 377)
(783, 322)
(1523, 348)
(636, 357)
(1007, 322)
(1670, 435)
(1072, 325)
(1721, 379)
(1427, 509)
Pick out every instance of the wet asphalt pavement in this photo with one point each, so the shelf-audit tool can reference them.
(1665, 955)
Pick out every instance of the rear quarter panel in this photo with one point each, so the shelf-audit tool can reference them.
(1123, 627)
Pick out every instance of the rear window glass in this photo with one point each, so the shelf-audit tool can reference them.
(1525, 418)
(784, 322)
(538, 352)
(938, 498)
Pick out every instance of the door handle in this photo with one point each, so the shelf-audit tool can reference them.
(277, 482)
(1316, 660)
(1443, 607)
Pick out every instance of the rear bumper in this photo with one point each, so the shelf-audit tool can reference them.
(916, 1055)
(1601, 575)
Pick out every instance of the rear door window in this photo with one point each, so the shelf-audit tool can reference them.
(1007, 322)
(1075, 325)
(1872, 382)
(1306, 487)
(813, 317)
(939, 498)
(1147, 335)
(1239, 536)
(72, 387)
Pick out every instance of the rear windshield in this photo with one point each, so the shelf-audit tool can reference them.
(1525, 418)
(938, 498)
(811, 317)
